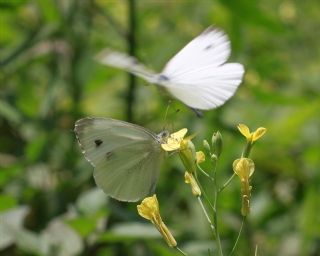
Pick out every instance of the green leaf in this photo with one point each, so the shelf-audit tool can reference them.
(7, 202)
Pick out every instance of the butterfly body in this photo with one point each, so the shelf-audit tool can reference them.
(126, 157)
(197, 75)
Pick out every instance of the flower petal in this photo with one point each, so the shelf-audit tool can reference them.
(200, 156)
(244, 131)
(173, 142)
(244, 168)
(258, 133)
(149, 207)
(179, 135)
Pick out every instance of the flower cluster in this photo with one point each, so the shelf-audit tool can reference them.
(191, 159)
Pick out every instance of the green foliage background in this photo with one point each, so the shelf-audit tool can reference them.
(49, 204)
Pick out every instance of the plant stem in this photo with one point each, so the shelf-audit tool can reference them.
(131, 40)
(205, 213)
(226, 183)
(215, 212)
(204, 173)
(236, 242)
(246, 150)
(204, 192)
(182, 252)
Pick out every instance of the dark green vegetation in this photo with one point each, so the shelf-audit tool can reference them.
(49, 204)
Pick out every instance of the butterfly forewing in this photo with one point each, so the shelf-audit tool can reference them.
(210, 48)
(126, 157)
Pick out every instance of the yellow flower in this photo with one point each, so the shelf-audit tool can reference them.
(149, 209)
(244, 168)
(251, 136)
(174, 140)
(189, 179)
(200, 157)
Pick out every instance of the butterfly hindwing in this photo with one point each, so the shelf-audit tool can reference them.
(125, 157)
(208, 87)
(125, 62)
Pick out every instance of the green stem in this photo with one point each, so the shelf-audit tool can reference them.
(247, 149)
(215, 212)
(204, 173)
(256, 251)
(227, 183)
(205, 213)
(204, 192)
(131, 41)
(182, 252)
(236, 242)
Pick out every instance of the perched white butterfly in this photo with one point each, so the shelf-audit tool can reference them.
(197, 75)
(126, 157)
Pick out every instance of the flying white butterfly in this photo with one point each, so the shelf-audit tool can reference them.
(197, 75)
(126, 157)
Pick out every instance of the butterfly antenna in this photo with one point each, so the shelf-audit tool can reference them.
(166, 115)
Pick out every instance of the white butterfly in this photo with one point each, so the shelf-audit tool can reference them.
(197, 75)
(126, 157)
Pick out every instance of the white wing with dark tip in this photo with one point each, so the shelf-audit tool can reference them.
(197, 75)
(126, 157)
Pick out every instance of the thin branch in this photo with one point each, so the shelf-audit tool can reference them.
(226, 183)
(205, 213)
(182, 252)
(132, 50)
(236, 242)
(204, 173)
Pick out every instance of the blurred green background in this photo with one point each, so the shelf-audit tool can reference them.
(49, 204)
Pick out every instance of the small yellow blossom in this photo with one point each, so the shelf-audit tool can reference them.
(189, 179)
(244, 168)
(174, 140)
(149, 209)
(200, 157)
(251, 136)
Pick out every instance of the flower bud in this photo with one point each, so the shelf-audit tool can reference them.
(189, 179)
(206, 146)
(187, 155)
(217, 143)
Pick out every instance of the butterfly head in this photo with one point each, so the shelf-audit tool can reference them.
(163, 136)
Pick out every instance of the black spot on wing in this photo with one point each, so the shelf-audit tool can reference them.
(208, 47)
(98, 142)
(109, 155)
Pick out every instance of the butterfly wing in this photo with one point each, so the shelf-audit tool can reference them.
(125, 62)
(208, 87)
(126, 157)
(197, 74)
(210, 48)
